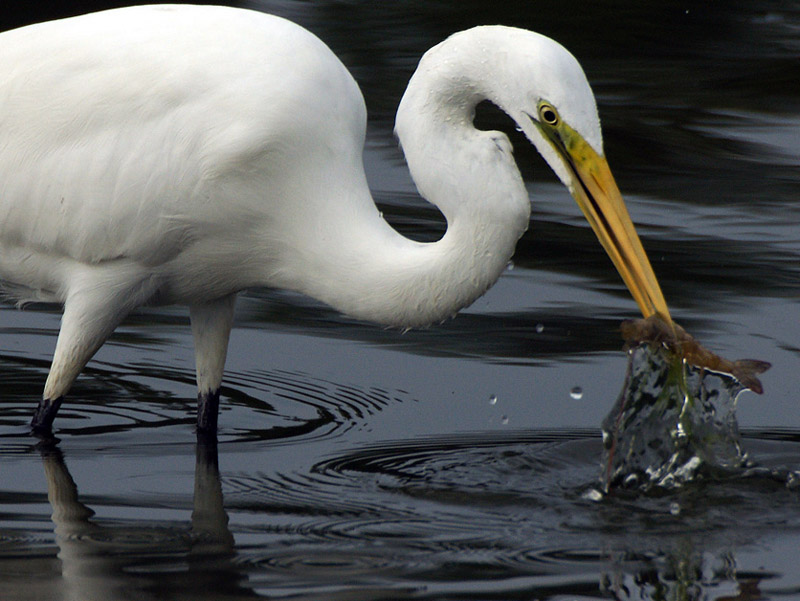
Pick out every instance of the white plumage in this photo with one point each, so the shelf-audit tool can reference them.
(180, 154)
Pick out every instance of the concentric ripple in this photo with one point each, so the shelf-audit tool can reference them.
(116, 399)
(294, 406)
(472, 498)
(473, 507)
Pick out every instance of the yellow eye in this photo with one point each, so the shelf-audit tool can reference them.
(548, 114)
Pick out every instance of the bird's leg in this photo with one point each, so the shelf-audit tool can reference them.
(90, 316)
(46, 410)
(207, 411)
(211, 328)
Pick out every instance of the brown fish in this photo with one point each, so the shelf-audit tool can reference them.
(676, 340)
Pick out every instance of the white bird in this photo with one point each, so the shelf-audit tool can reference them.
(181, 154)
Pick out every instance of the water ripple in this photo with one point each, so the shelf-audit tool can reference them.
(307, 407)
(507, 499)
(120, 399)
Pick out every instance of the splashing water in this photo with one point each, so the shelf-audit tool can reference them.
(673, 423)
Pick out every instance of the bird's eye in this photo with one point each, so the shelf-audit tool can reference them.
(548, 114)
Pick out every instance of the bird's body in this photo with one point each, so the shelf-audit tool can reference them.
(180, 154)
(148, 177)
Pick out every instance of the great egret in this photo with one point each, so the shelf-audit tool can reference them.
(180, 154)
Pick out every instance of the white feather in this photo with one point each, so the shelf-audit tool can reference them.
(179, 154)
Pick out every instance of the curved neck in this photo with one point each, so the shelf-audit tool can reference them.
(367, 270)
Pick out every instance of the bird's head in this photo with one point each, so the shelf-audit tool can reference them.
(544, 89)
(585, 172)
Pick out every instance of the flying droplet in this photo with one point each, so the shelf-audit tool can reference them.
(539, 328)
(674, 508)
(493, 399)
(510, 266)
(593, 495)
(504, 419)
(576, 393)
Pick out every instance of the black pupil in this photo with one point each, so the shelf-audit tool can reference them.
(549, 115)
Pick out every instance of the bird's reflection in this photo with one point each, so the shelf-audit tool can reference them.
(99, 561)
(682, 574)
(209, 519)
(108, 561)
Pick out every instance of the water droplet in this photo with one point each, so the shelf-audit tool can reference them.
(493, 399)
(680, 436)
(576, 393)
(539, 328)
(631, 480)
(674, 508)
(504, 419)
(593, 495)
(510, 266)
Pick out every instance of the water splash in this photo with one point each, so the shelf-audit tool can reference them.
(673, 423)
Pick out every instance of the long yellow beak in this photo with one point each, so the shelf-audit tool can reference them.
(598, 196)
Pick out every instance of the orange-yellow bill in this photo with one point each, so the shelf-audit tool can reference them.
(598, 196)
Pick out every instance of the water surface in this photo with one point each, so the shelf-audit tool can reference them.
(452, 463)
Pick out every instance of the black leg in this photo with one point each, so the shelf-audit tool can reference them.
(211, 327)
(42, 422)
(207, 410)
(206, 452)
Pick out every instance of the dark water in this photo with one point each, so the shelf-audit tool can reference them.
(457, 462)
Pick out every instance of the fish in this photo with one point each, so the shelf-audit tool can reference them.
(676, 340)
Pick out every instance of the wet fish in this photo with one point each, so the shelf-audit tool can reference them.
(676, 340)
